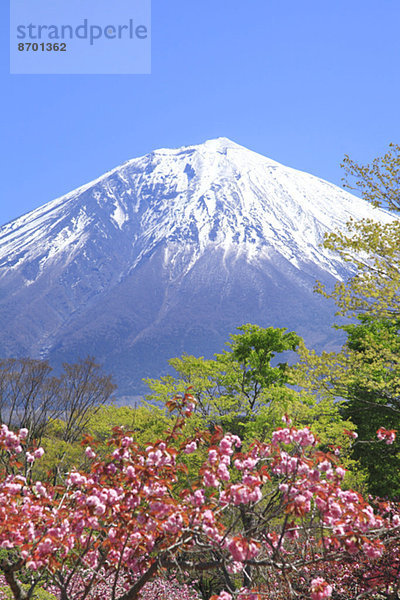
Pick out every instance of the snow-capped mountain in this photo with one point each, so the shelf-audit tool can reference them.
(168, 253)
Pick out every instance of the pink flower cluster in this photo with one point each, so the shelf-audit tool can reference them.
(243, 594)
(32, 456)
(303, 437)
(12, 441)
(241, 549)
(388, 435)
(158, 456)
(219, 459)
(320, 589)
(141, 503)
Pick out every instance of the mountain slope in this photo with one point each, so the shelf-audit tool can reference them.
(169, 253)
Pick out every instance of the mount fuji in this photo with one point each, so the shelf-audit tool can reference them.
(168, 253)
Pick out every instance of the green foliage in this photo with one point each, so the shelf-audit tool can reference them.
(373, 399)
(231, 387)
(364, 382)
(147, 422)
(59, 457)
(374, 248)
(320, 414)
(25, 577)
(38, 593)
(366, 373)
(243, 390)
(378, 182)
(253, 351)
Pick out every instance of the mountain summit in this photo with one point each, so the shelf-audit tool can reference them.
(168, 253)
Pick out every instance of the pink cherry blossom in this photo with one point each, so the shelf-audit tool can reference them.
(38, 453)
(275, 504)
(190, 448)
(320, 589)
(224, 596)
(388, 435)
(90, 453)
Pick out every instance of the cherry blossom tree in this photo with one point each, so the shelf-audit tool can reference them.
(273, 520)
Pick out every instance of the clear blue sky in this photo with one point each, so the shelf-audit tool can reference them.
(301, 81)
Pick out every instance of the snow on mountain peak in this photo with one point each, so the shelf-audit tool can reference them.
(220, 143)
(212, 195)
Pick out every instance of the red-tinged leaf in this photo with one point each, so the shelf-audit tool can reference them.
(87, 439)
(217, 435)
(264, 472)
(171, 405)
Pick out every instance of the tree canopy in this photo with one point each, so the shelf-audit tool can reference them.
(372, 247)
(365, 374)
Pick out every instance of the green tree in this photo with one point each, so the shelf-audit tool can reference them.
(379, 181)
(366, 373)
(373, 399)
(231, 387)
(247, 391)
(364, 382)
(372, 247)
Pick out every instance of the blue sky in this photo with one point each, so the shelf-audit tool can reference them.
(301, 81)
